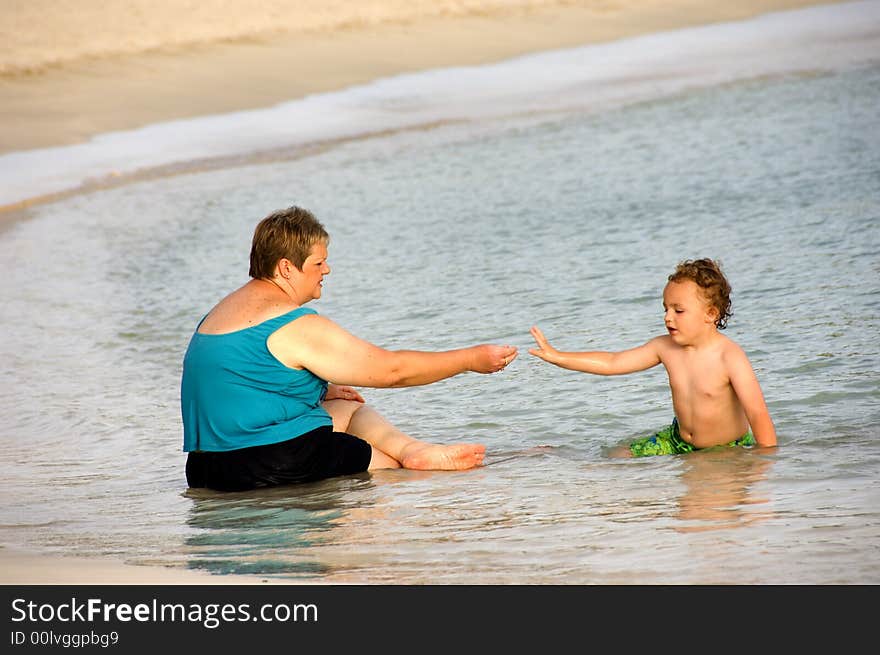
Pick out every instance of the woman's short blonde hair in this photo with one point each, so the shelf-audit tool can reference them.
(284, 234)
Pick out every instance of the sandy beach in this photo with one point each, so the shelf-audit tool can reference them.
(71, 72)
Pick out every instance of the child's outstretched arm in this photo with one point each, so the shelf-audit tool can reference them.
(598, 362)
(747, 388)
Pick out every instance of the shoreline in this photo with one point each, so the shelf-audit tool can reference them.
(124, 92)
(20, 568)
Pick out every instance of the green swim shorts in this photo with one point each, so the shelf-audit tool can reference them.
(668, 441)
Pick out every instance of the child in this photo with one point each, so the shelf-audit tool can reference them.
(716, 397)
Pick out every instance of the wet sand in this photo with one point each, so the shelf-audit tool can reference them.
(24, 568)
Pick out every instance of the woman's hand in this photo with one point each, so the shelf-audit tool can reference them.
(343, 392)
(491, 359)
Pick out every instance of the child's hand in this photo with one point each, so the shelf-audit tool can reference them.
(544, 350)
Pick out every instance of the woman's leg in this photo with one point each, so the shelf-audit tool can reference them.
(341, 412)
(393, 448)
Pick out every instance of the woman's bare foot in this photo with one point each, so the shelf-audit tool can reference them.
(432, 457)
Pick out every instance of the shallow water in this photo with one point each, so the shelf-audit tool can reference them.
(467, 233)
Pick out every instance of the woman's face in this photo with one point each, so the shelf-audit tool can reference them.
(314, 269)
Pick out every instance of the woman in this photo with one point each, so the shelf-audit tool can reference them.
(267, 393)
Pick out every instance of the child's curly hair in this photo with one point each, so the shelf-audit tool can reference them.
(706, 274)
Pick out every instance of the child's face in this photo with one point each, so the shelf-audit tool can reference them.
(687, 315)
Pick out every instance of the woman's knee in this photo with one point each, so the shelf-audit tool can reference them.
(380, 460)
(341, 411)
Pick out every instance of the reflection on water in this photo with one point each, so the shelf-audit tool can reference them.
(269, 531)
(540, 516)
(722, 488)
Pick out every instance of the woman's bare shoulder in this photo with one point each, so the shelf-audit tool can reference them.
(245, 307)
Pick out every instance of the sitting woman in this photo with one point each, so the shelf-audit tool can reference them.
(267, 393)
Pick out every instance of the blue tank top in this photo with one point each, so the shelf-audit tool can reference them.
(234, 393)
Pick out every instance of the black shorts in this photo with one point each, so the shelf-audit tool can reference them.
(315, 455)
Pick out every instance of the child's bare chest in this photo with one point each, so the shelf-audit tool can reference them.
(698, 375)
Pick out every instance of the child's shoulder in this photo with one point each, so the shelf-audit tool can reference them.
(730, 349)
(661, 341)
(726, 341)
(664, 345)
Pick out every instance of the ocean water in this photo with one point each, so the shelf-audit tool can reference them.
(468, 225)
